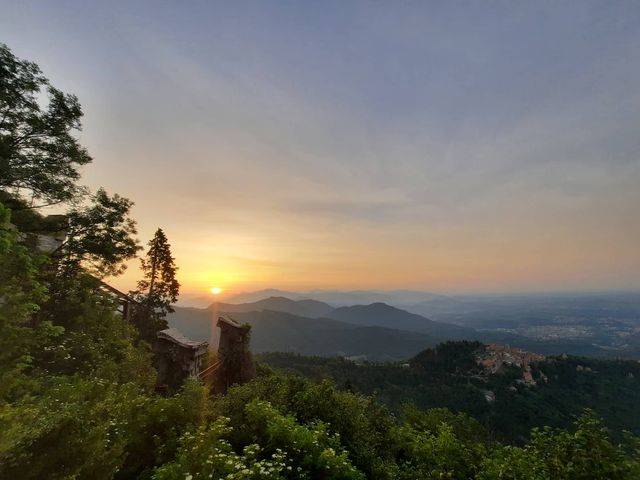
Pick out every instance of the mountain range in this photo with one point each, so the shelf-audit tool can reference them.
(383, 315)
(283, 332)
(340, 298)
(375, 332)
(303, 308)
(596, 323)
(278, 324)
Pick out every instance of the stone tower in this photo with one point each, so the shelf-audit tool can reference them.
(177, 357)
(236, 361)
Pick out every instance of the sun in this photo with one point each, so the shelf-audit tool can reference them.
(216, 290)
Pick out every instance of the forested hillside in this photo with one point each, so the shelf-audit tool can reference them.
(448, 376)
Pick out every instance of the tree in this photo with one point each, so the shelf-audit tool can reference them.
(40, 157)
(585, 453)
(100, 237)
(38, 153)
(20, 297)
(159, 288)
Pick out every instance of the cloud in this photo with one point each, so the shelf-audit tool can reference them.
(346, 139)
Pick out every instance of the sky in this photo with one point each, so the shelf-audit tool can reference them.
(442, 146)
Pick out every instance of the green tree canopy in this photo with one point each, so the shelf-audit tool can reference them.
(39, 154)
(100, 236)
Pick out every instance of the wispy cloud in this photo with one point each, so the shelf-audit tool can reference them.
(364, 144)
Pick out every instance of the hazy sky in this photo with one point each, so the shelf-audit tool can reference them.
(445, 146)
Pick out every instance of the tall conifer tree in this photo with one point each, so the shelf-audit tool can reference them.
(159, 287)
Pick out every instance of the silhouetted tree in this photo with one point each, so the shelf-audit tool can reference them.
(39, 155)
(100, 237)
(159, 288)
(39, 159)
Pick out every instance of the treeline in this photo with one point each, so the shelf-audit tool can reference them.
(448, 377)
(77, 397)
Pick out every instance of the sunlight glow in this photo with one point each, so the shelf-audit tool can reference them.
(216, 290)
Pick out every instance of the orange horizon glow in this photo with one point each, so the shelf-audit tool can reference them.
(272, 162)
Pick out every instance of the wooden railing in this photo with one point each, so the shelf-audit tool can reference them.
(126, 301)
(211, 369)
(121, 295)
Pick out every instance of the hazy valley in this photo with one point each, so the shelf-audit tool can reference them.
(604, 325)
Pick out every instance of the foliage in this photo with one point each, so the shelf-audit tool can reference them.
(440, 454)
(448, 377)
(366, 429)
(312, 430)
(96, 338)
(449, 357)
(159, 287)
(40, 158)
(20, 296)
(430, 421)
(99, 237)
(205, 454)
(38, 152)
(27, 219)
(585, 453)
(93, 428)
(76, 396)
(282, 449)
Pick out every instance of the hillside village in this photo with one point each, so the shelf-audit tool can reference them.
(495, 358)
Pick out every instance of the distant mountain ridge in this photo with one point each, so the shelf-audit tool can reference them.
(285, 332)
(303, 308)
(341, 298)
(258, 295)
(383, 315)
(376, 331)
(375, 314)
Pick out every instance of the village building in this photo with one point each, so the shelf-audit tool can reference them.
(497, 357)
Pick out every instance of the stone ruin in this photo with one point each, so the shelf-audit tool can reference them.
(235, 362)
(178, 358)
